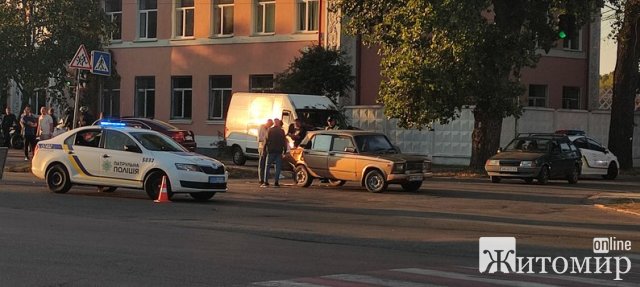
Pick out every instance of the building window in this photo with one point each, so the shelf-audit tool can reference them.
(113, 8)
(223, 18)
(265, 17)
(261, 83)
(111, 99)
(148, 19)
(181, 98)
(571, 98)
(145, 97)
(219, 96)
(308, 15)
(184, 18)
(537, 96)
(573, 43)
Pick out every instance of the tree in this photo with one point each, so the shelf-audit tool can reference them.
(626, 78)
(606, 81)
(440, 56)
(318, 71)
(40, 38)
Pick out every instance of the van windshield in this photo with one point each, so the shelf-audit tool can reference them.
(316, 118)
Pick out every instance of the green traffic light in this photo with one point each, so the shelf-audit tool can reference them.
(562, 34)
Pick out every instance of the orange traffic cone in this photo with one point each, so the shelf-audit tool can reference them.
(163, 196)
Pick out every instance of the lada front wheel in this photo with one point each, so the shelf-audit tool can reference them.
(58, 179)
(374, 181)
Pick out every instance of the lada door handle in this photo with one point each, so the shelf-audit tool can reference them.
(105, 156)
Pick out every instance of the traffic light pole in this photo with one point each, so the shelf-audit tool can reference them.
(77, 99)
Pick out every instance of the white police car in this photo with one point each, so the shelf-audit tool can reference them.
(596, 159)
(111, 156)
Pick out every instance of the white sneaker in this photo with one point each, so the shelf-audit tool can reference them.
(26, 159)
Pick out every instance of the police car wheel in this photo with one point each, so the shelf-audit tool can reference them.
(153, 182)
(106, 188)
(58, 179)
(202, 196)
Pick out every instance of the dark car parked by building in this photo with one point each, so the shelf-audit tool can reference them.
(183, 137)
(536, 156)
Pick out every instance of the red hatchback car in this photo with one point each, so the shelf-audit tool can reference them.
(184, 137)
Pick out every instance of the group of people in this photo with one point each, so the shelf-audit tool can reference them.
(273, 143)
(40, 127)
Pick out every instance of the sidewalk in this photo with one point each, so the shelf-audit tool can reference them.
(15, 161)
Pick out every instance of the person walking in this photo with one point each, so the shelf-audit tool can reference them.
(262, 154)
(29, 125)
(45, 125)
(275, 145)
(8, 121)
(299, 133)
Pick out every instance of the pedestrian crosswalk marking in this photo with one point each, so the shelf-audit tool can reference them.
(461, 276)
(286, 283)
(376, 281)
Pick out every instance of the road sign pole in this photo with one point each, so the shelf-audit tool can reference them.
(77, 100)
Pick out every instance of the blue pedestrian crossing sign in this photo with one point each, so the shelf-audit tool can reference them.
(101, 63)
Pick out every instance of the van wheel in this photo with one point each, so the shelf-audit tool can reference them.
(612, 171)
(153, 182)
(238, 156)
(57, 178)
(302, 176)
(374, 181)
(337, 182)
(106, 188)
(411, 186)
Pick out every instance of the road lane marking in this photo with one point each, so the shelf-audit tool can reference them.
(376, 281)
(460, 276)
(286, 283)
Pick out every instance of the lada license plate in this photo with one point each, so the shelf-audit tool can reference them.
(216, 179)
(509, 168)
(416, 178)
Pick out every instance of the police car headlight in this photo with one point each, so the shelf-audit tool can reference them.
(188, 167)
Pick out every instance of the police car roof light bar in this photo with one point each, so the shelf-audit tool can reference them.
(111, 124)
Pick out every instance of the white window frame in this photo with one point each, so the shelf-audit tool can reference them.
(146, 16)
(146, 100)
(264, 17)
(579, 99)
(307, 21)
(222, 8)
(183, 25)
(546, 95)
(109, 93)
(567, 43)
(182, 95)
(210, 115)
(112, 15)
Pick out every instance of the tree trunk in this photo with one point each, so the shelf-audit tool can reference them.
(625, 85)
(485, 138)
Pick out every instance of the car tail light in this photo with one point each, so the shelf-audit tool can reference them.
(178, 136)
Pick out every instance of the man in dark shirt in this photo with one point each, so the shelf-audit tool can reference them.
(276, 146)
(331, 124)
(29, 124)
(300, 132)
(8, 121)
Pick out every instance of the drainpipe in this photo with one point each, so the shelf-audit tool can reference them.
(319, 22)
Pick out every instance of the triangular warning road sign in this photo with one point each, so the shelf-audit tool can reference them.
(81, 59)
(101, 65)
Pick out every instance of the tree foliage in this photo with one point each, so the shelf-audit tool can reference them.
(317, 71)
(41, 36)
(440, 56)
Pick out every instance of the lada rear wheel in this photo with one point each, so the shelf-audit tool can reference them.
(411, 186)
(202, 196)
(543, 177)
(302, 176)
(153, 183)
(374, 181)
(58, 179)
(337, 182)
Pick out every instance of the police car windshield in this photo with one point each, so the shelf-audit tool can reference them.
(156, 142)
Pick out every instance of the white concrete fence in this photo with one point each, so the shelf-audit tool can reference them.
(451, 143)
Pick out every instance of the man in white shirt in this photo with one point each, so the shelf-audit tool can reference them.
(262, 135)
(45, 124)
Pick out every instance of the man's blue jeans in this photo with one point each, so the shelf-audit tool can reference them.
(271, 159)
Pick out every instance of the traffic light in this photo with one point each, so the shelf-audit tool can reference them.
(566, 26)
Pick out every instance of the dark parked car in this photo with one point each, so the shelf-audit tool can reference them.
(536, 156)
(183, 137)
(365, 157)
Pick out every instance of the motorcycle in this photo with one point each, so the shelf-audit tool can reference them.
(16, 139)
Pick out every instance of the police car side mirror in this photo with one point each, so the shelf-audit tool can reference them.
(132, 148)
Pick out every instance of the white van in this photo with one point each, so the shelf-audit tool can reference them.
(248, 111)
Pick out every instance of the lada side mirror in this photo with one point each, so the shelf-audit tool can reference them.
(132, 148)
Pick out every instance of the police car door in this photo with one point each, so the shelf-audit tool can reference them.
(84, 153)
(121, 157)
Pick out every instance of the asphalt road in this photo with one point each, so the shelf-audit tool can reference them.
(320, 236)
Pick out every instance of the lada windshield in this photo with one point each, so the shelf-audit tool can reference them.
(156, 142)
(528, 145)
(374, 144)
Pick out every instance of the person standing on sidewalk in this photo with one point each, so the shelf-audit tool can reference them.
(275, 145)
(8, 121)
(29, 125)
(45, 124)
(262, 154)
